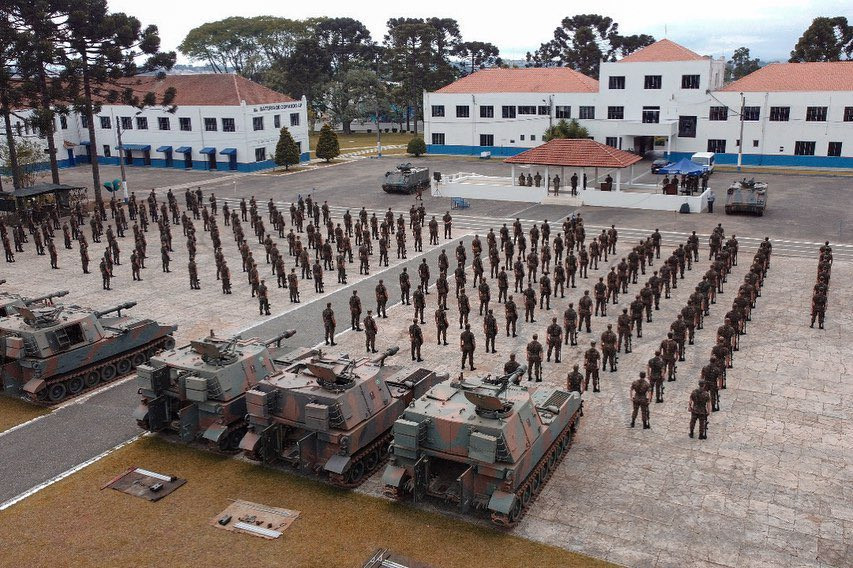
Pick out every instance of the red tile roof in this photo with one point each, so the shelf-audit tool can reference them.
(816, 76)
(524, 80)
(214, 89)
(580, 152)
(662, 50)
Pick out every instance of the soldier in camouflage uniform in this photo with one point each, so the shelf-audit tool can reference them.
(534, 359)
(679, 334)
(405, 287)
(485, 295)
(641, 395)
(416, 339)
(263, 299)
(511, 313)
(381, 299)
(510, 367)
(554, 340)
(585, 311)
(420, 304)
(503, 285)
(655, 368)
(329, 324)
(443, 289)
(355, 311)
(468, 344)
(370, 331)
(623, 329)
(529, 304)
(490, 328)
(464, 306)
(441, 324)
(293, 286)
(698, 407)
(669, 353)
(711, 378)
(600, 289)
(609, 349)
(591, 358)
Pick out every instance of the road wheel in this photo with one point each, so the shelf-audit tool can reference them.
(137, 359)
(56, 392)
(169, 343)
(74, 385)
(371, 460)
(123, 367)
(526, 494)
(515, 512)
(92, 378)
(108, 372)
(355, 472)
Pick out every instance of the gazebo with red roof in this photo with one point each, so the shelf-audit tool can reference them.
(575, 153)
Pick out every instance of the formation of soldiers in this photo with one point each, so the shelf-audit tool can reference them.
(820, 292)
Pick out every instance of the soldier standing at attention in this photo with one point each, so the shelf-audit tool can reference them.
(641, 395)
(420, 304)
(355, 311)
(433, 231)
(263, 299)
(554, 340)
(669, 352)
(468, 344)
(363, 260)
(679, 334)
(51, 249)
(317, 272)
(637, 309)
(447, 224)
(164, 257)
(464, 308)
(655, 368)
(341, 262)
(416, 339)
(518, 272)
(381, 299)
(329, 324)
(503, 285)
(711, 376)
(529, 304)
(490, 328)
(193, 270)
(818, 308)
(585, 311)
(423, 272)
(441, 325)
(442, 288)
(534, 359)
(600, 297)
(511, 313)
(608, 348)
(485, 294)
(590, 364)
(570, 324)
(105, 274)
(698, 407)
(293, 286)
(383, 251)
(370, 331)
(405, 287)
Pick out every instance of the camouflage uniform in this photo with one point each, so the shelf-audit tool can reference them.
(570, 325)
(641, 394)
(468, 344)
(490, 328)
(534, 359)
(329, 324)
(511, 313)
(416, 339)
(370, 331)
(441, 325)
(585, 311)
(608, 349)
(591, 357)
(355, 311)
(655, 367)
(554, 340)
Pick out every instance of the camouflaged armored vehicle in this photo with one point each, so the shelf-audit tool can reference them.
(9, 303)
(482, 444)
(746, 196)
(406, 179)
(198, 390)
(53, 353)
(331, 415)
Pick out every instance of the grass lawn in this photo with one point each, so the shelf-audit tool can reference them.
(361, 140)
(75, 523)
(14, 412)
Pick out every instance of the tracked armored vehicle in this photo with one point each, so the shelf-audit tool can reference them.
(406, 179)
(50, 354)
(199, 390)
(9, 303)
(746, 196)
(331, 415)
(482, 444)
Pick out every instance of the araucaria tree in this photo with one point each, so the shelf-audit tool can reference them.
(286, 151)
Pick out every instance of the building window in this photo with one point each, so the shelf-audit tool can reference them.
(257, 123)
(438, 110)
(544, 110)
(755, 143)
(487, 111)
(563, 111)
(107, 152)
(616, 82)
(228, 125)
(63, 122)
(533, 138)
(210, 125)
(717, 146)
(105, 122)
(615, 112)
(586, 112)
(848, 114)
(487, 139)
(438, 138)
(163, 123)
(718, 113)
(690, 81)
(185, 124)
(612, 141)
(84, 121)
(294, 119)
(527, 109)
(276, 121)
(521, 137)
(260, 154)
(651, 114)
(463, 111)
(751, 113)
(652, 82)
(834, 149)
(508, 111)
(779, 114)
(815, 114)
(127, 123)
(687, 126)
(804, 148)
(141, 123)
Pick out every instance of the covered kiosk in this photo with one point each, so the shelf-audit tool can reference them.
(40, 199)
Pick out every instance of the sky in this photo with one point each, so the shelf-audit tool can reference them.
(769, 28)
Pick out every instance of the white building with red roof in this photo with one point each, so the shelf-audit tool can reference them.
(221, 122)
(663, 97)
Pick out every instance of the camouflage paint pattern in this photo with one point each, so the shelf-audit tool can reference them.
(746, 197)
(406, 179)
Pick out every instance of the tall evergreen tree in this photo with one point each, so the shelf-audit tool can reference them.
(327, 144)
(741, 65)
(9, 91)
(826, 39)
(286, 151)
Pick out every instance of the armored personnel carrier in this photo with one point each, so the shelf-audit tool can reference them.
(49, 354)
(331, 415)
(406, 179)
(482, 444)
(198, 390)
(746, 196)
(9, 303)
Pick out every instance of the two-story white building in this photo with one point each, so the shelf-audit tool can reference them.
(221, 122)
(662, 97)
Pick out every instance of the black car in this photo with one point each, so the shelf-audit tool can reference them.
(658, 164)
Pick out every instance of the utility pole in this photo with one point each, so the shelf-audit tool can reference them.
(378, 133)
(121, 159)
(740, 141)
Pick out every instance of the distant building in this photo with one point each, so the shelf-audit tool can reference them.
(222, 122)
(663, 97)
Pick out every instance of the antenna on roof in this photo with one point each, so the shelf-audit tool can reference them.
(664, 30)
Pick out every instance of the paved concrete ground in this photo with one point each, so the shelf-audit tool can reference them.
(770, 487)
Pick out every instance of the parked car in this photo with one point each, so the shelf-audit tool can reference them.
(658, 164)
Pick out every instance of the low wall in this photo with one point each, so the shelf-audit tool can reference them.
(498, 192)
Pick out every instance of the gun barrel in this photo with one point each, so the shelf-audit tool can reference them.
(380, 359)
(124, 306)
(278, 338)
(57, 294)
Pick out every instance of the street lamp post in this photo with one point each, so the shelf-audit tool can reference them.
(121, 160)
(740, 141)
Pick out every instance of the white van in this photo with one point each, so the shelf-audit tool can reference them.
(704, 159)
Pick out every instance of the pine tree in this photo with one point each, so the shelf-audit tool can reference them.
(286, 151)
(416, 147)
(327, 145)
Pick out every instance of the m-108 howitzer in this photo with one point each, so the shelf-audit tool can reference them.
(115, 310)
(9, 303)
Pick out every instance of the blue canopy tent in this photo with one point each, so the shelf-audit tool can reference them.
(684, 167)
